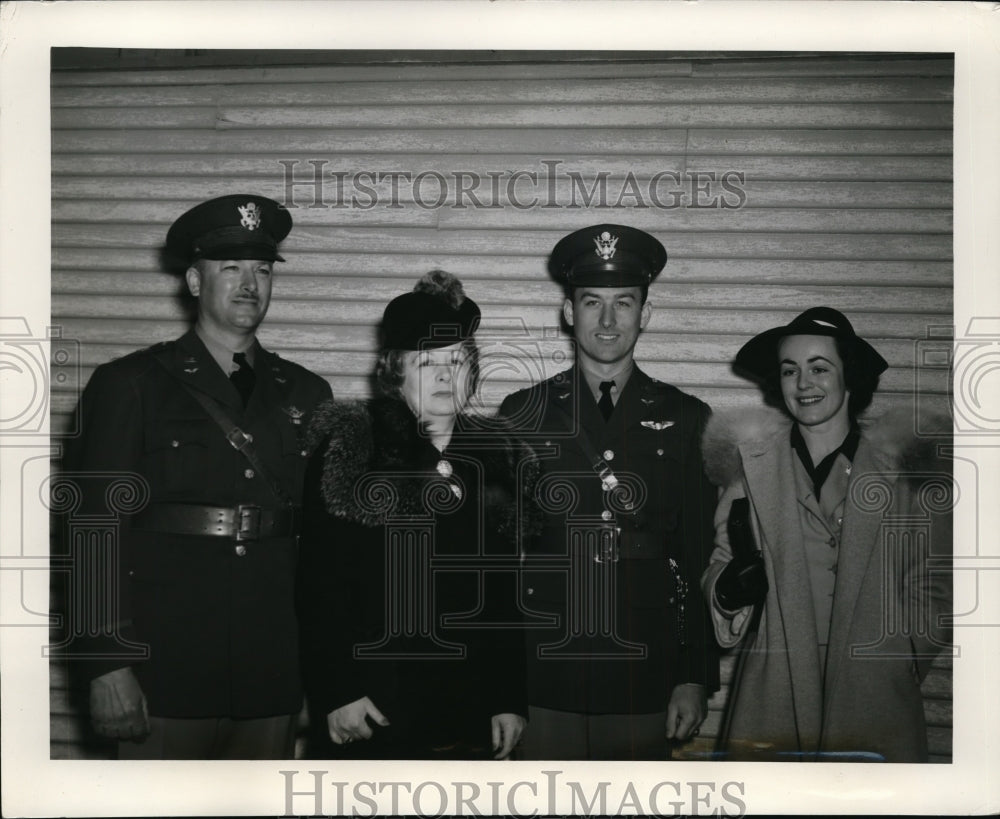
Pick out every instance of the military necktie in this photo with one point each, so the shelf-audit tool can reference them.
(606, 405)
(243, 377)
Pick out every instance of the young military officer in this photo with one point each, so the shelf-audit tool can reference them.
(203, 577)
(628, 662)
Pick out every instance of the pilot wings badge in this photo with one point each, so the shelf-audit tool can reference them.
(657, 425)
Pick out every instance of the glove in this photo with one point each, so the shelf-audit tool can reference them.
(742, 583)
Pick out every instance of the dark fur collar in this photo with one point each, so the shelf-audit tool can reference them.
(890, 433)
(362, 440)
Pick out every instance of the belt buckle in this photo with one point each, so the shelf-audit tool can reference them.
(607, 545)
(249, 522)
(238, 439)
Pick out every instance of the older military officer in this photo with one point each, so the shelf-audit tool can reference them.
(212, 426)
(627, 661)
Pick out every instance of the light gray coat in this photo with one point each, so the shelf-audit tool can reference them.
(889, 608)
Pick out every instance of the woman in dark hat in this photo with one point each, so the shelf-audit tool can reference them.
(834, 596)
(410, 649)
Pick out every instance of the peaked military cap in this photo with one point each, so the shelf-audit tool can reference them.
(759, 356)
(607, 256)
(237, 226)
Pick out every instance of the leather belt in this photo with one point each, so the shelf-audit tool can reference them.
(244, 522)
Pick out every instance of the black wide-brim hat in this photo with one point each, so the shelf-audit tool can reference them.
(422, 320)
(237, 226)
(607, 256)
(759, 356)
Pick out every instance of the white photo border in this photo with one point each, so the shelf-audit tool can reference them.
(34, 785)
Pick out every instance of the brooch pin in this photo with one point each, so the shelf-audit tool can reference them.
(657, 425)
(294, 414)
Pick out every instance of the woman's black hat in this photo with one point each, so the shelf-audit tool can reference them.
(437, 313)
(759, 356)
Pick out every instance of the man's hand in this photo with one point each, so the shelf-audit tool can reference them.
(686, 710)
(118, 706)
(507, 730)
(349, 722)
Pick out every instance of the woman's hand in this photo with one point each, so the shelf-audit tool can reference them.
(507, 730)
(349, 722)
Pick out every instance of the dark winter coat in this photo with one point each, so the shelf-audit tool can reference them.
(408, 573)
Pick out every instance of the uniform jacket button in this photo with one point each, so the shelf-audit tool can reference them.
(248, 473)
(530, 590)
(659, 452)
(240, 550)
(175, 443)
(609, 455)
(606, 515)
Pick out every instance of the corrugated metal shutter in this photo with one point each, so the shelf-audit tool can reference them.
(840, 171)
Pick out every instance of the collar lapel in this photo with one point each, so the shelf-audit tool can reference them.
(591, 422)
(769, 468)
(860, 545)
(195, 366)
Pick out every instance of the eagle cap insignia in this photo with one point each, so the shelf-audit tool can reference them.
(605, 245)
(249, 215)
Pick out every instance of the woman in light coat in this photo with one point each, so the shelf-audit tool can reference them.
(852, 522)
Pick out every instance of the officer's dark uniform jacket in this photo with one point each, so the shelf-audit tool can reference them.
(217, 614)
(618, 568)
(429, 635)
